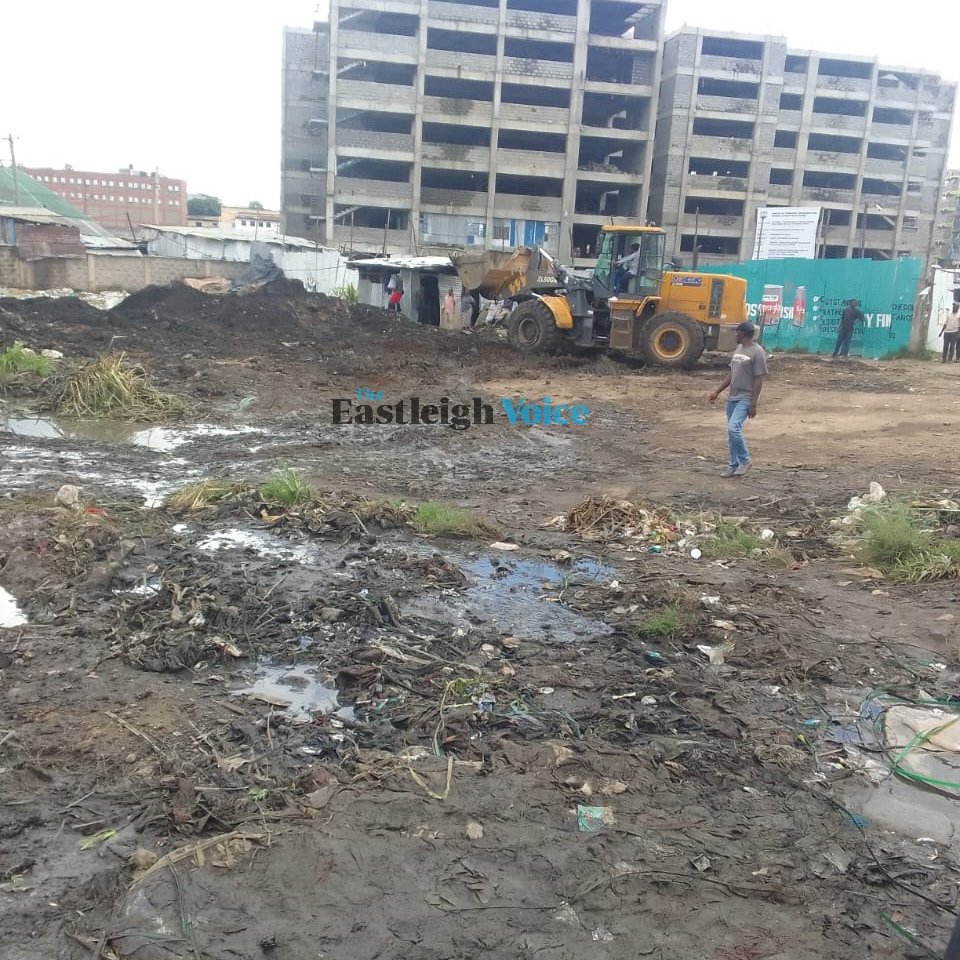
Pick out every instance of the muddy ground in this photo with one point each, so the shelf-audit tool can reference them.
(244, 731)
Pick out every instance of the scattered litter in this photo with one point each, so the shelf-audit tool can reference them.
(499, 545)
(648, 701)
(566, 914)
(68, 496)
(474, 830)
(695, 554)
(602, 934)
(766, 535)
(10, 614)
(701, 864)
(591, 819)
(94, 839)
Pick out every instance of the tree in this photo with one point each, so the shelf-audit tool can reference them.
(255, 205)
(202, 205)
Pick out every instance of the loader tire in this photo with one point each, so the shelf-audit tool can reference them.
(532, 329)
(672, 340)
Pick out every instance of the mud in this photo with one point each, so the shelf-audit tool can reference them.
(342, 737)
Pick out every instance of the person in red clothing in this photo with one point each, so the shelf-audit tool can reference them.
(395, 298)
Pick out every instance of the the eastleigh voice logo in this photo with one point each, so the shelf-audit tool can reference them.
(368, 408)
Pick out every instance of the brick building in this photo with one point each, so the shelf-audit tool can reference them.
(115, 200)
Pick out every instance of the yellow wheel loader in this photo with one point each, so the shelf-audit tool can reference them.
(630, 304)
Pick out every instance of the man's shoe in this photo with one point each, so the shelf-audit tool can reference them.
(742, 470)
(728, 472)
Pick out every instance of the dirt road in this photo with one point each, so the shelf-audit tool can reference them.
(322, 731)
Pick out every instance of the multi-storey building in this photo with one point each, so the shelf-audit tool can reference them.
(425, 123)
(946, 237)
(117, 200)
(744, 122)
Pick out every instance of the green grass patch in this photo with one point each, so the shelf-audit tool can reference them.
(347, 292)
(729, 541)
(18, 361)
(912, 353)
(900, 543)
(286, 486)
(112, 387)
(663, 624)
(437, 519)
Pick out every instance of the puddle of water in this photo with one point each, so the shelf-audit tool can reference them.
(10, 614)
(159, 438)
(294, 690)
(263, 544)
(509, 572)
(513, 595)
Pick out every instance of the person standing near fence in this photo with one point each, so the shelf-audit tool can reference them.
(950, 331)
(848, 320)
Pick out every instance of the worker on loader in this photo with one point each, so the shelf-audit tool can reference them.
(627, 269)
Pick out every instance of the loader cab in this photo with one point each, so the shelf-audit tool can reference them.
(610, 276)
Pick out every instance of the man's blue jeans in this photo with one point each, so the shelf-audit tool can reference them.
(737, 411)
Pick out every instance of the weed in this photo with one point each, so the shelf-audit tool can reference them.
(286, 486)
(196, 496)
(729, 541)
(912, 353)
(110, 386)
(437, 519)
(663, 624)
(347, 292)
(898, 542)
(18, 361)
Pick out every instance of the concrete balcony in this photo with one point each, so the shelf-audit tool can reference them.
(727, 105)
(825, 195)
(531, 163)
(466, 202)
(385, 97)
(839, 86)
(893, 168)
(731, 148)
(376, 193)
(375, 146)
(794, 82)
(622, 43)
(512, 206)
(445, 63)
(521, 116)
(728, 188)
(784, 157)
(398, 241)
(452, 110)
(789, 119)
(645, 90)
(454, 156)
(901, 97)
(550, 72)
(535, 25)
(729, 68)
(828, 161)
(620, 178)
(837, 121)
(456, 16)
(363, 45)
(715, 226)
(897, 133)
(779, 191)
(614, 133)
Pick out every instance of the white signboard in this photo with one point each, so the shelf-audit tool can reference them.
(786, 232)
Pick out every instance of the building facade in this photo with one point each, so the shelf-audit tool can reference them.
(117, 200)
(946, 237)
(414, 124)
(744, 122)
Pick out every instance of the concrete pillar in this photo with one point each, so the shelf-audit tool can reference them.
(495, 125)
(419, 82)
(331, 181)
(574, 125)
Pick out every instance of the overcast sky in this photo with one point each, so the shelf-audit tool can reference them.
(193, 88)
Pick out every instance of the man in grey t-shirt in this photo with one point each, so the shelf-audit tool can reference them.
(748, 367)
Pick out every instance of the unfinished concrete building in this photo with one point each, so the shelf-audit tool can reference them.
(744, 122)
(946, 236)
(419, 124)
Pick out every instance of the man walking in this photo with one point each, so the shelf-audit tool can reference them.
(950, 331)
(848, 319)
(748, 367)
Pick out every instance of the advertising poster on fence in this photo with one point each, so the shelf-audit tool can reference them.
(771, 305)
(784, 232)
